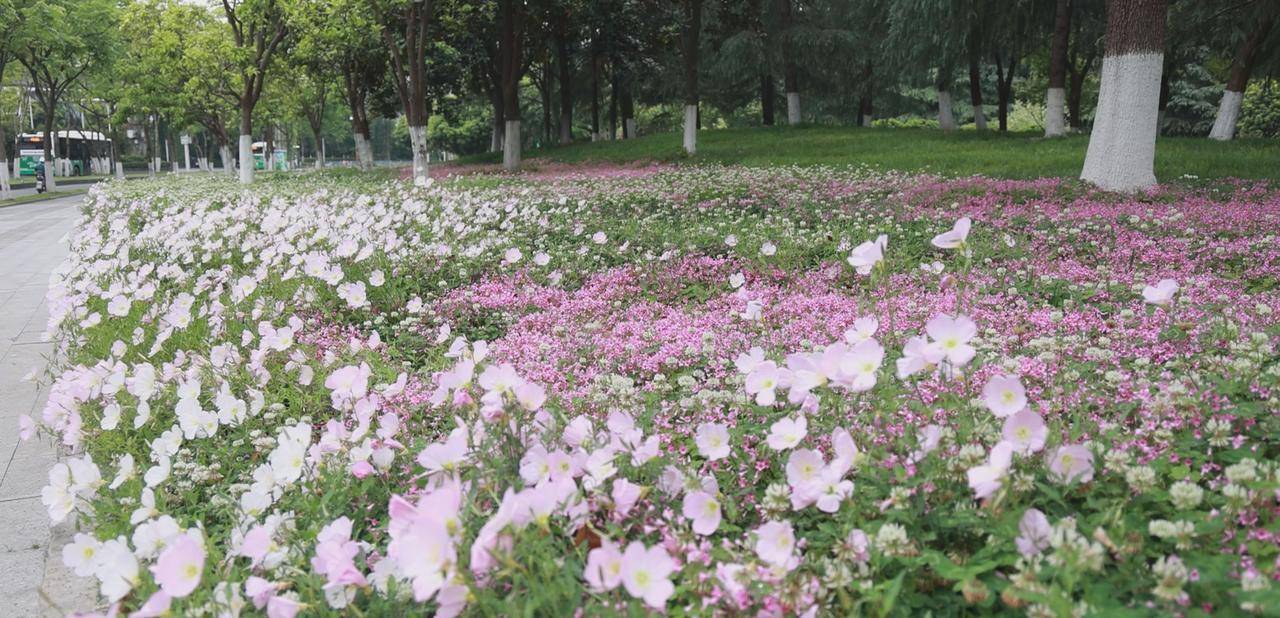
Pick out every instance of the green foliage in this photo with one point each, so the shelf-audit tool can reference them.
(1260, 111)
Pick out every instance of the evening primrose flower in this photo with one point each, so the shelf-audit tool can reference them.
(646, 574)
(918, 354)
(1034, 533)
(955, 237)
(953, 334)
(984, 480)
(1026, 431)
(787, 432)
(776, 543)
(703, 510)
(764, 379)
(1161, 293)
(768, 248)
(712, 440)
(604, 567)
(180, 566)
(1004, 395)
(1072, 463)
(81, 555)
(862, 330)
(866, 255)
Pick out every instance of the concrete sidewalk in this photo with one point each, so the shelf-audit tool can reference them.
(33, 581)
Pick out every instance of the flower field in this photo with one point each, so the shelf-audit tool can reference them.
(698, 390)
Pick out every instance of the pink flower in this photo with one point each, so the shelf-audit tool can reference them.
(1160, 293)
(157, 605)
(918, 355)
(256, 544)
(775, 543)
(863, 329)
(984, 480)
(26, 427)
(955, 237)
(646, 573)
(787, 432)
(1026, 431)
(865, 256)
(625, 495)
(764, 379)
(1004, 395)
(531, 396)
(712, 440)
(952, 336)
(856, 368)
(704, 510)
(348, 383)
(1033, 533)
(604, 567)
(283, 607)
(1072, 463)
(179, 568)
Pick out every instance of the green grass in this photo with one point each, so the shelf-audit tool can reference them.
(38, 197)
(1013, 155)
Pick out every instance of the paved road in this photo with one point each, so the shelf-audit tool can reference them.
(32, 243)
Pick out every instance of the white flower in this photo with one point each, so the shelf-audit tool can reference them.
(787, 432)
(712, 440)
(1160, 293)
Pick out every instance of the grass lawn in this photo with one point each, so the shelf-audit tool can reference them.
(1014, 155)
(37, 197)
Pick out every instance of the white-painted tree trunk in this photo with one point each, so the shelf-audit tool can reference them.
(1224, 126)
(1122, 147)
(946, 120)
(630, 125)
(246, 159)
(228, 164)
(156, 166)
(691, 129)
(4, 179)
(1055, 101)
(366, 149)
(418, 140)
(793, 108)
(119, 170)
(979, 118)
(511, 145)
(495, 139)
(866, 120)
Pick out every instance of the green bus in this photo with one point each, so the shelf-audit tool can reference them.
(87, 152)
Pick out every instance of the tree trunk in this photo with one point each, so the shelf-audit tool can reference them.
(566, 88)
(545, 92)
(246, 144)
(766, 99)
(1224, 125)
(1122, 147)
(4, 164)
(1055, 97)
(975, 93)
(790, 79)
(595, 97)
(495, 141)
(511, 54)
(49, 163)
(613, 100)
(1166, 73)
(628, 110)
(689, 43)
(946, 120)
(865, 102)
(1004, 88)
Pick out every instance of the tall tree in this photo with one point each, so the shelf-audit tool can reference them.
(690, 33)
(790, 77)
(512, 17)
(1056, 97)
(1122, 147)
(9, 25)
(258, 28)
(404, 26)
(1257, 24)
(58, 42)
